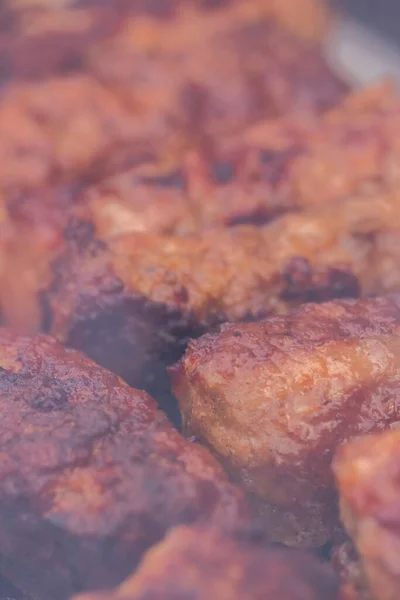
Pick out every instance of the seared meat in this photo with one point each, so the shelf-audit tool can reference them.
(132, 304)
(91, 473)
(203, 564)
(367, 474)
(274, 399)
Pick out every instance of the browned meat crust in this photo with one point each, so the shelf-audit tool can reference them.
(204, 564)
(91, 472)
(274, 399)
(367, 475)
(146, 294)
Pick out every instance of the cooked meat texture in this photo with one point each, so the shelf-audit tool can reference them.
(273, 400)
(31, 235)
(307, 18)
(191, 195)
(273, 168)
(38, 39)
(62, 127)
(207, 74)
(297, 163)
(199, 564)
(367, 476)
(92, 474)
(131, 304)
(346, 563)
(150, 197)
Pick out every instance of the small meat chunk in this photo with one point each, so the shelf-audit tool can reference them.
(367, 473)
(92, 474)
(274, 399)
(200, 564)
(133, 302)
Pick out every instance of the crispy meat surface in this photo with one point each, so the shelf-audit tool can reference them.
(273, 400)
(199, 564)
(131, 304)
(367, 476)
(92, 474)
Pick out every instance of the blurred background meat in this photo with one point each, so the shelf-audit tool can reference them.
(367, 473)
(200, 564)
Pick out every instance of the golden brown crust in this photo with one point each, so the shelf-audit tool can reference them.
(200, 564)
(274, 399)
(91, 473)
(367, 475)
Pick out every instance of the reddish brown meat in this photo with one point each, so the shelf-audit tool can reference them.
(367, 474)
(203, 564)
(91, 472)
(274, 399)
(132, 304)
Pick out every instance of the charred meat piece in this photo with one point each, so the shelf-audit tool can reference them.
(199, 564)
(367, 474)
(92, 474)
(274, 399)
(132, 304)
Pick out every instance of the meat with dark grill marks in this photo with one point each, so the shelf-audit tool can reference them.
(367, 474)
(270, 169)
(91, 473)
(200, 564)
(132, 304)
(274, 399)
